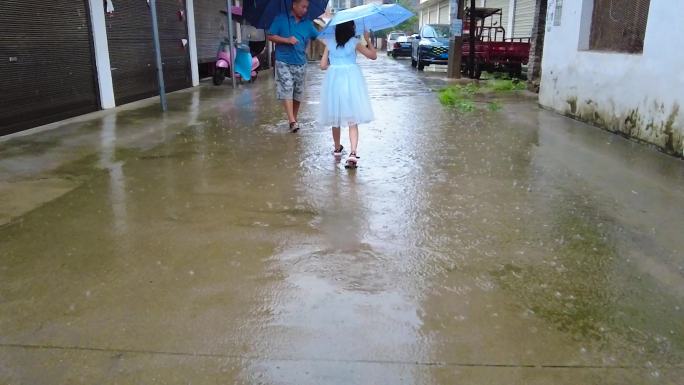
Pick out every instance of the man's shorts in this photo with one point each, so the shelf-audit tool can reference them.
(290, 79)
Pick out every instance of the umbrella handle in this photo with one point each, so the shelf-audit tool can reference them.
(364, 27)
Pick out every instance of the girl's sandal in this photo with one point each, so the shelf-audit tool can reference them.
(352, 161)
(338, 151)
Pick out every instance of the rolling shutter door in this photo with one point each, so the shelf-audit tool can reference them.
(211, 28)
(131, 50)
(524, 18)
(504, 5)
(46, 68)
(173, 28)
(433, 14)
(444, 13)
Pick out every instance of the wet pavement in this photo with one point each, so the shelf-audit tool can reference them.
(207, 246)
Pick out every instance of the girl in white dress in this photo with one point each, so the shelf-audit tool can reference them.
(344, 99)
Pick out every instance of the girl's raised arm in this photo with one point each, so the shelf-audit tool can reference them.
(367, 51)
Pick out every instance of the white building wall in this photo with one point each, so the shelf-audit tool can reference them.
(101, 48)
(638, 95)
(511, 18)
(192, 42)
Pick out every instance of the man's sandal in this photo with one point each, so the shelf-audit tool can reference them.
(294, 127)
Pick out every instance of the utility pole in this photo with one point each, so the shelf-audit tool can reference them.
(231, 45)
(157, 54)
(471, 57)
(456, 39)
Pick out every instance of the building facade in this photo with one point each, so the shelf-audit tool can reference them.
(617, 68)
(63, 58)
(338, 5)
(47, 71)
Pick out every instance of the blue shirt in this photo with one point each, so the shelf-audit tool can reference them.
(286, 27)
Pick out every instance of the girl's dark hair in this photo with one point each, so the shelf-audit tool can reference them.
(344, 32)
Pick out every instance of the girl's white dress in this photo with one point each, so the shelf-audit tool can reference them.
(344, 99)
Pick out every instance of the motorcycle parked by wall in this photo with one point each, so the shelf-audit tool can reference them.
(244, 56)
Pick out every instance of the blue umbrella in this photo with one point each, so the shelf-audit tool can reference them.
(370, 17)
(260, 13)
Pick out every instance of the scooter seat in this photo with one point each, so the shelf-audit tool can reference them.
(257, 47)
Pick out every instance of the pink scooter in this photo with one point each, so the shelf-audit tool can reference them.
(246, 65)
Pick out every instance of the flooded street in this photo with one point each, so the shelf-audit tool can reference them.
(209, 245)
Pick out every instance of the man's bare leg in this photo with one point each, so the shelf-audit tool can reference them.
(295, 109)
(289, 110)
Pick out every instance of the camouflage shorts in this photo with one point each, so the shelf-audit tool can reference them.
(290, 81)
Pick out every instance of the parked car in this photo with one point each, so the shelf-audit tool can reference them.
(391, 39)
(431, 46)
(402, 48)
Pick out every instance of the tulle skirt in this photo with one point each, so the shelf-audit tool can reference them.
(344, 99)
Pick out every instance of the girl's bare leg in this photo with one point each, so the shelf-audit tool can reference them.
(354, 136)
(336, 137)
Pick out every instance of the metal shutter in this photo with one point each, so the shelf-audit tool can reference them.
(444, 13)
(211, 28)
(524, 18)
(47, 70)
(131, 50)
(433, 15)
(173, 28)
(504, 5)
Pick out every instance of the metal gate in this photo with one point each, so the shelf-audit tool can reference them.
(131, 50)
(47, 70)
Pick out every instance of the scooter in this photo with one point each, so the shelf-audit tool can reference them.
(246, 65)
(245, 56)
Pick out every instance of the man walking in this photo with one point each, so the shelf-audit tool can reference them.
(291, 33)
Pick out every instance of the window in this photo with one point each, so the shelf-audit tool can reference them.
(619, 25)
(558, 14)
(340, 4)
